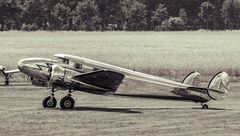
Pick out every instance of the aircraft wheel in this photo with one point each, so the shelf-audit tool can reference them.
(49, 103)
(67, 102)
(205, 106)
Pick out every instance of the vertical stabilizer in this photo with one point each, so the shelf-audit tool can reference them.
(192, 79)
(219, 85)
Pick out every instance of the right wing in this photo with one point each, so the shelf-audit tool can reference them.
(127, 72)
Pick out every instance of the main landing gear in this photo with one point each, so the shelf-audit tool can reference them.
(66, 102)
(7, 77)
(49, 102)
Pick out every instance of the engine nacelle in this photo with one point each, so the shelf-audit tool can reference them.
(2, 68)
(57, 77)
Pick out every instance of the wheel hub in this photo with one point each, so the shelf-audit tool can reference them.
(50, 103)
(67, 103)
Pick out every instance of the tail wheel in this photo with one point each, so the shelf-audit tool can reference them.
(49, 102)
(67, 102)
(205, 106)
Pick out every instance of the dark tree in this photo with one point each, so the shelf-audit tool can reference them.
(134, 15)
(207, 12)
(61, 16)
(35, 14)
(110, 14)
(130, 15)
(231, 13)
(86, 16)
(10, 15)
(159, 15)
(183, 14)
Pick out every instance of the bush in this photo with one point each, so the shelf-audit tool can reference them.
(29, 27)
(165, 25)
(25, 27)
(176, 24)
(33, 27)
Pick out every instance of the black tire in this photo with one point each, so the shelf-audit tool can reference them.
(67, 102)
(49, 104)
(205, 106)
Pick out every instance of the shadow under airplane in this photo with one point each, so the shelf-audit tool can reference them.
(173, 98)
(164, 97)
(104, 109)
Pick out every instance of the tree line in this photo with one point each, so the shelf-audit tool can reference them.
(128, 15)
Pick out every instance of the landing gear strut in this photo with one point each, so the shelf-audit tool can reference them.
(7, 76)
(204, 106)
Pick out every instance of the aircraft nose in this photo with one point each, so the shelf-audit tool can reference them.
(29, 67)
(21, 66)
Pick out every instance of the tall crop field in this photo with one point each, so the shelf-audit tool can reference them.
(171, 54)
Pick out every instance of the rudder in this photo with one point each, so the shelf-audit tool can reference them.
(219, 85)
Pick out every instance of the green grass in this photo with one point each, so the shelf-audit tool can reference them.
(171, 54)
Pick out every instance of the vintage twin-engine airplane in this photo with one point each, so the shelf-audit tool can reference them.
(75, 73)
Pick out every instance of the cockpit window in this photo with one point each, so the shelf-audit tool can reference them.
(32, 66)
(43, 67)
(65, 61)
(39, 66)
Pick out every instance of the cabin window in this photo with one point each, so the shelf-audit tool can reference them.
(77, 66)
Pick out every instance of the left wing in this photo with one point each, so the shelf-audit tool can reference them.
(12, 71)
